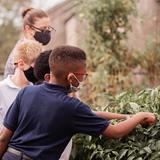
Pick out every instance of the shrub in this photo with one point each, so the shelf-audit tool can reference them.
(141, 144)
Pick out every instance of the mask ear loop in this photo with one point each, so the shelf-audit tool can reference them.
(69, 77)
(76, 78)
(73, 88)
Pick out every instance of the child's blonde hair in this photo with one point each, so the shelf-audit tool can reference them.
(28, 51)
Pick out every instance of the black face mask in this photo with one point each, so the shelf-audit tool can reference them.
(30, 75)
(43, 37)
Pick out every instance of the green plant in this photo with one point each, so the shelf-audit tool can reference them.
(141, 144)
(108, 57)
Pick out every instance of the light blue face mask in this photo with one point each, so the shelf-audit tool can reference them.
(74, 88)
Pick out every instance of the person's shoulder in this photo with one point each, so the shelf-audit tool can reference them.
(2, 86)
(74, 102)
(70, 100)
(20, 41)
(28, 90)
(3, 82)
(17, 43)
(32, 88)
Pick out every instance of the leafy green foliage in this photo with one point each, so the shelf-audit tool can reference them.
(108, 57)
(108, 27)
(141, 144)
(110, 64)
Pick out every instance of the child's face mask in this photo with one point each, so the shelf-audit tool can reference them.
(29, 74)
(76, 88)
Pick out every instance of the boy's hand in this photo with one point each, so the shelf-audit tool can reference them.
(149, 119)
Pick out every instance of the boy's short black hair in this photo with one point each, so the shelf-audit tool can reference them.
(65, 59)
(41, 66)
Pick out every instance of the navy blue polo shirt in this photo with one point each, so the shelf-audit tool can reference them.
(44, 118)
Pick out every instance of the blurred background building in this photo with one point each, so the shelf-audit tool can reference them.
(145, 25)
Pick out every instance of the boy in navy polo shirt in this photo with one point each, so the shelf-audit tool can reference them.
(43, 118)
(42, 73)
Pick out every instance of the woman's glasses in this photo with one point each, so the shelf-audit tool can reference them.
(47, 28)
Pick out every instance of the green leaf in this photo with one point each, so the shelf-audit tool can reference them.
(157, 145)
(147, 149)
(108, 150)
(130, 152)
(155, 156)
(139, 158)
(131, 157)
(122, 153)
(115, 153)
(134, 106)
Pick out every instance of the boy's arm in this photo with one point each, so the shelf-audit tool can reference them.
(5, 135)
(123, 128)
(109, 115)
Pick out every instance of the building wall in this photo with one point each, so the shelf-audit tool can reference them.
(145, 26)
(63, 20)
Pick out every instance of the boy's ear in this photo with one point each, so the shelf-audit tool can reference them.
(47, 77)
(21, 63)
(70, 77)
